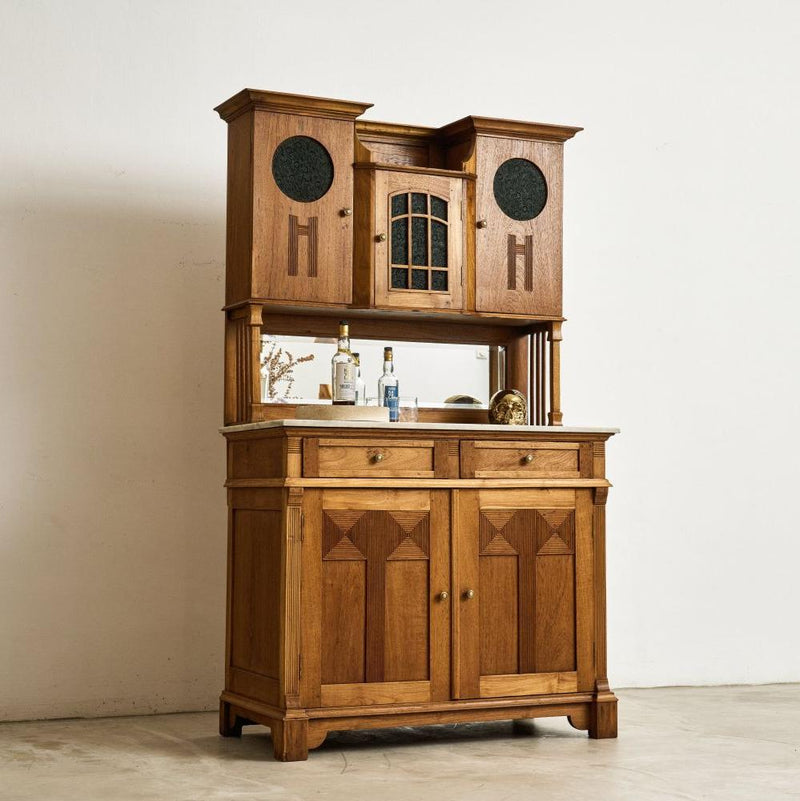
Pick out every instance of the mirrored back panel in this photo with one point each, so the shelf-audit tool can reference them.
(296, 369)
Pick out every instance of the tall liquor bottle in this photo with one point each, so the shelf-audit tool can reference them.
(343, 370)
(389, 387)
(361, 390)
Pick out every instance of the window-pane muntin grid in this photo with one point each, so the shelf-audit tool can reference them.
(418, 246)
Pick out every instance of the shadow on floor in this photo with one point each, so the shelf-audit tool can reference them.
(256, 740)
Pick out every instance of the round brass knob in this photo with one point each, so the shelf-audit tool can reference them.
(528, 458)
(469, 594)
(381, 237)
(346, 212)
(378, 457)
(444, 595)
(483, 223)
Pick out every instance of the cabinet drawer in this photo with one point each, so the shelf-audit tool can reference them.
(520, 459)
(358, 458)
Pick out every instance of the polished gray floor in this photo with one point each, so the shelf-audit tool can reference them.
(676, 743)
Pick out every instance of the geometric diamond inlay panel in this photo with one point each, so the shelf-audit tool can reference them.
(374, 534)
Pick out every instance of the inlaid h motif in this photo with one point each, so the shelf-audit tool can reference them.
(308, 231)
(514, 251)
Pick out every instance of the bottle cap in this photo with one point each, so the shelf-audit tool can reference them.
(387, 354)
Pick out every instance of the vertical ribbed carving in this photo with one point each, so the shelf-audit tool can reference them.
(291, 601)
(243, 370)
(554, 416)
(242, 349)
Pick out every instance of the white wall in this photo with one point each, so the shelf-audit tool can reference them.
(681, 257)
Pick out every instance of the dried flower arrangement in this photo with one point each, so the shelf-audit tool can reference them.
(277, 366)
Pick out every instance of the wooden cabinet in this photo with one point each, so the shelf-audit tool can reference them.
(361, 597)
(448, 234)
(518, 210)
(389, 575)
(290, 198)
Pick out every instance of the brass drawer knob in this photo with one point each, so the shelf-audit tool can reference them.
(483, 223)
(381, 237)
(528, 458)
(346, 212)
(444, 595)
(378, 457)
(469, 594)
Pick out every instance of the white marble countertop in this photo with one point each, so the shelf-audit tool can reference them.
(370, 426)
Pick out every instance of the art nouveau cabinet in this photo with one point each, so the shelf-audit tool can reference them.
(406, 573)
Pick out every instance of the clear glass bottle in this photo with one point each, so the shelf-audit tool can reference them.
(343, 370)
(361, 390)
(389, 387)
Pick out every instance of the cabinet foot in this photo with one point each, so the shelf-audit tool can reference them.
(230, 724)
(290, 739)
(603, 719)
(579, 719)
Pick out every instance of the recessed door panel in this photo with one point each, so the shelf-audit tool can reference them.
(375, 563)
(302, 208)
(518, 238)
(522, 561)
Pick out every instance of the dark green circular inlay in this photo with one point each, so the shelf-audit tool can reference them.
(520, 189)
(302, 168)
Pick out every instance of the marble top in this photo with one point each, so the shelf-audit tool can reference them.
(368, 426)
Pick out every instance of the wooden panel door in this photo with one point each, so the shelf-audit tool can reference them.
(419, 241)
(375, 628)
(518, 262)
(302, 250)
(522, 592)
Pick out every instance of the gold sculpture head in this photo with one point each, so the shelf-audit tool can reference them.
(507, 407)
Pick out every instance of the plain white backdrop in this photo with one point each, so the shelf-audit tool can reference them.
(681, 291)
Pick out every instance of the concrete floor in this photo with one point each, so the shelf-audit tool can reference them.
(678, 743)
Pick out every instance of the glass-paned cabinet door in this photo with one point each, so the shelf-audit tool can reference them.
(419, 241)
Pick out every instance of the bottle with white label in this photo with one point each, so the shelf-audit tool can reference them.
(343, 370)
(361, 390)
(389, 387)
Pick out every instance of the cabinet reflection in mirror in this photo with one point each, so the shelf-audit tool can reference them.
(295, 368)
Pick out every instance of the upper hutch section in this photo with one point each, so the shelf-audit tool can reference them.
(325, 210)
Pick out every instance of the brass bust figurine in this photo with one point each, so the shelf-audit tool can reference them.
(508, 407)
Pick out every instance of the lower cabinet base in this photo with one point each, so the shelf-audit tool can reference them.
(295, 731)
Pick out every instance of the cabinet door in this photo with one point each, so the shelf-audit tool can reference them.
(375, 630)
(419, 245)
(522, 592)
(518, 239)
(302, 208)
